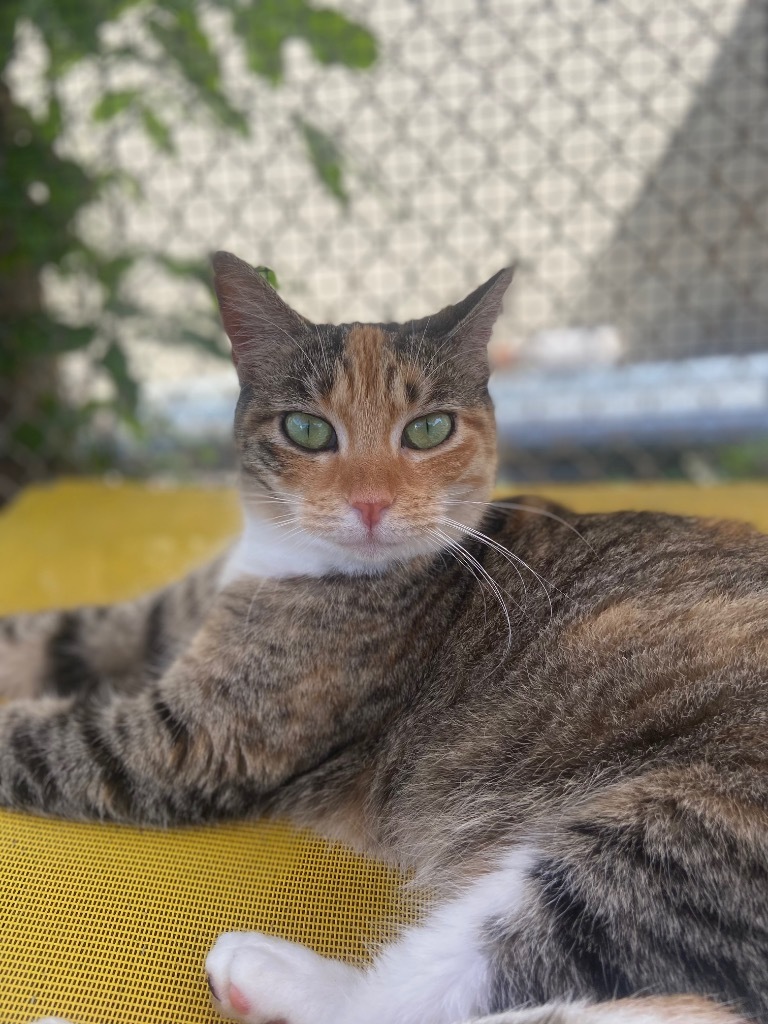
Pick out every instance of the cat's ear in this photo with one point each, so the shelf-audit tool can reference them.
(469, 323)
(466, 327)
(259, 324)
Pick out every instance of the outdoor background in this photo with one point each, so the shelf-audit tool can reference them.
(384, 159)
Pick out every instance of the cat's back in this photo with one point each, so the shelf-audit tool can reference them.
(578, 584)
(657, 601)
(624, 634)
(654, 553)
(639, 647)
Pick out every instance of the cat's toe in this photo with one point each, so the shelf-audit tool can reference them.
(263, 980)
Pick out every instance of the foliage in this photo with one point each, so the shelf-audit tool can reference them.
(747, 460)
(43, 193)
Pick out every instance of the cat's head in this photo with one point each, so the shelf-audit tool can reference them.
(363, 443)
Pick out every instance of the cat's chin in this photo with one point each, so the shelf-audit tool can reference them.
(373, 556)
(370, 548)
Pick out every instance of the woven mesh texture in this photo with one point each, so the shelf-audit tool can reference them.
(106, 923)
(110, 925)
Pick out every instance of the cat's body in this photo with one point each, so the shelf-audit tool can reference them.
(575, 757)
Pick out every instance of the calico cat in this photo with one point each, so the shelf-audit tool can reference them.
(558, 721)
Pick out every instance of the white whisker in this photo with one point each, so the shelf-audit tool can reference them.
(516, 506)
(509, 555)
(461, 552)
(453, 549)
(505, 553)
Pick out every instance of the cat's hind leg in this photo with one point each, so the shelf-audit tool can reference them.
(650, 1010)
(670, 1010)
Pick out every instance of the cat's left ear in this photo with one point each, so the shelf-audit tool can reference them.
(474, 317)
(467, 325)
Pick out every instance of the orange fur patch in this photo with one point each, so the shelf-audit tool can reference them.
(671, 1009)
(369, 402)
(713, 628)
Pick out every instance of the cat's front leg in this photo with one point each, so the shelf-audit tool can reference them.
(233, 718)
(437, 972)
(259, 979)
(433, 975)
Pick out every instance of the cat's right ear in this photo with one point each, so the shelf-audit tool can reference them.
(258, 323)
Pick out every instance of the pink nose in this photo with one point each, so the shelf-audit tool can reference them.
(370, 511)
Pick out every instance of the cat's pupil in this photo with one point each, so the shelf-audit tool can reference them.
(310, 432)
(428, 431)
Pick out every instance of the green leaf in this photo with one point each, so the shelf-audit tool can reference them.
(223, 110)
(262, 32)
(10, 11)
(52, 126)
(269, 276)
(184, 41)
(73, 30)
(42, 193)
(64, 338)
(325, 157)
(113, 103)
(123, 308)
(112, 270)
(32, 435)
(197, 269)
(336, 40)
(122, 179)
(116, 365)
(25, 339)
(264, 27)
(157, 130)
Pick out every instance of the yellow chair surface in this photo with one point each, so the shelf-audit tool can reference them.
(109, 924)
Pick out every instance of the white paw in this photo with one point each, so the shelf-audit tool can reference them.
(263, 980)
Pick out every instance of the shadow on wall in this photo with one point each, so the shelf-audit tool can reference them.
(686, 271)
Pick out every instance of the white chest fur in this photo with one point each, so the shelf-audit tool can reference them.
(271, 551)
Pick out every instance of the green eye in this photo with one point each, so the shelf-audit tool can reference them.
(309, 431)
(428, 431)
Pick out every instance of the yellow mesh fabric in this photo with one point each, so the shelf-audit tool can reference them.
(110, 925)
(106, 923)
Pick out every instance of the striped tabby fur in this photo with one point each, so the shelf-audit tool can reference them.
(559, 720)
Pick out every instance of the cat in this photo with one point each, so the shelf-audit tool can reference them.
(557, 721)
